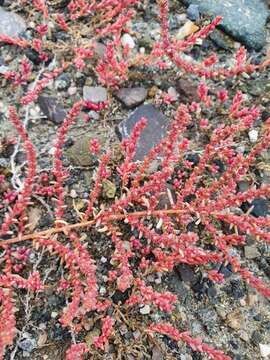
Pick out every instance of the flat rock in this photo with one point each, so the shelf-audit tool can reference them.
(11, 24)
(244, 20)
(187, 89)
(95, 94)
(152, 134)
(79, 153)
(251, 252)
(260, 207)
(52, 109)
(131, 97)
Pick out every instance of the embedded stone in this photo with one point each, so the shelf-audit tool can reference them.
(193, 12)
(95, 94)
(131, 97)
(154, 131)
(260, 207)
(11, 24)
(52, 109)
(238, 19)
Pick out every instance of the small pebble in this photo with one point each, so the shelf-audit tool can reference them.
(103, 260)
(54, 314)
(73, 194)
(264, 350)
(253, 135)
(72, 90)
(102, 290)
(145, 310)
(128, 40)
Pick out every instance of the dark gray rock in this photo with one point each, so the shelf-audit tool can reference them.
(187, 89)
(260, 207)
(186, 273)
(244, 20)
(155, 130)
(193, 12)
(52, 109)
(131, 97)
(11, 24)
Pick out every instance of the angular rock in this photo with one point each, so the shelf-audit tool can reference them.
(193, 12)
(52, 109)
(186, 273)
(187, 90)
(131, 97)
(95, 94)
(11, 24)
(238, 18)
(155, 130)
(260, 207)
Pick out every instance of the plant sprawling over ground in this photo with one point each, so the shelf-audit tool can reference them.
(140, 237)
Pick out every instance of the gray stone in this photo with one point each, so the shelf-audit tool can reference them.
(251, 252)
(11, 24)
(79, 153)
(152, 134)
(52, 109)
(186, 273)
(193, 12)
(260, 207)
(131, 97)
(244, 20)
(95, 94)
(27, 345)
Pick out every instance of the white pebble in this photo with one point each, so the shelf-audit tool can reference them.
(73, 194)
(103, 260)
(264, 349)
(145, 310)
(253, 135)
(128, 40)
(72, 90)
(102, 290)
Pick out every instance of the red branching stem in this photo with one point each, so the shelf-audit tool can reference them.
(77, 351)
(7, 320)
(128, 167)
(101, 174)
(24, 195)
(107, 328)
(33, 94)
(196, 344)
